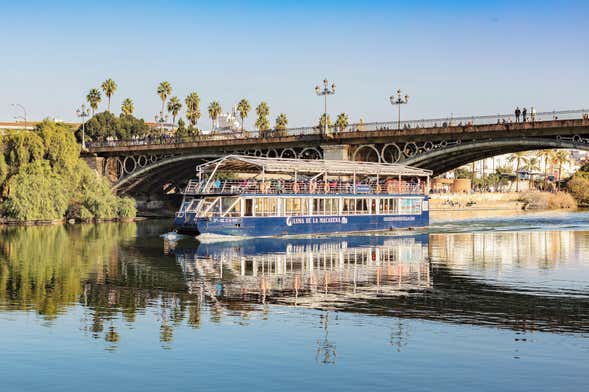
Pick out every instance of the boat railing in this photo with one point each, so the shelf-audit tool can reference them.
(233, 187)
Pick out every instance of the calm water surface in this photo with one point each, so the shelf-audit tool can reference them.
(477, 304)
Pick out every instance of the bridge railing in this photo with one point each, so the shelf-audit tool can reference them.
(441, 122)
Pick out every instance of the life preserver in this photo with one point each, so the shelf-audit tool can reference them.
(296, 187)
(312, 187)
(326, 187)
(378, 189)
(390, 188)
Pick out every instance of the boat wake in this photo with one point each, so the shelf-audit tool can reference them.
(208, 238)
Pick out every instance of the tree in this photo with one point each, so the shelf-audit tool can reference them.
(342, 121)
(243, 108)
(518, 157)
(174, 107)
(109, 87)
(281, 123)
(322, 121)
(127, 107)
(214, 112)
(561, 157)
(94, 98)
(532, 165)
(547, 156)
(164, 89)
(192, 108)
(262, 123)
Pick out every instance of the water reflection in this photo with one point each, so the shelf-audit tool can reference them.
(119, 273)
(313, 272)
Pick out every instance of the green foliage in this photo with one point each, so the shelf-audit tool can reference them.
(106, 124)
(342, 121)
(192, 102)
(462, 172)
(127, 107)
(36, 193)
(322, 120)
(44, 179)
(263, 111)
(281, 122)
(109, 87)
(163, 90)
(126, 208)
(243, 108)
(94, 98)
(579, 187)
(174, 106)
(214, 110)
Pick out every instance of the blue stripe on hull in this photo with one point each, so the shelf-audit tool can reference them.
(295, 225)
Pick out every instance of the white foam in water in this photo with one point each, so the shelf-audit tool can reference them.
(209, 238)
(171, 236)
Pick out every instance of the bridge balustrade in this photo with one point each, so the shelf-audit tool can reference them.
(442, 122)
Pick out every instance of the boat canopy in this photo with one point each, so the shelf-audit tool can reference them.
(249, 164)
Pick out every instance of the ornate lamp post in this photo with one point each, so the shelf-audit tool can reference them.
(18, 105)
(399, 100)
(325, 91)
(161, 119)
(83, 112)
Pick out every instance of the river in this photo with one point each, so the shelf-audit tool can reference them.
(472, 303)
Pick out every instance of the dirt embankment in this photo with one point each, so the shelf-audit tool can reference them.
(501, 201)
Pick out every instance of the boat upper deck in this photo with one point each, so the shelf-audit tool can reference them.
(236, 174)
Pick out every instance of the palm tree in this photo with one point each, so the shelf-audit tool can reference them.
(214, 112)
(174, 106)
(163, 90)
(281, 123)
(127, 107)
(262, 110)
(342, 121)
(561, 157)
(532, 165)
(94, 98)
(109, 87)
(192, 108)
(518, 157)
(322, 120)
(546, 155)
(243, 108)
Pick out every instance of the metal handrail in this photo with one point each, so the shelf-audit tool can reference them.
(307, 188)
(443, 122)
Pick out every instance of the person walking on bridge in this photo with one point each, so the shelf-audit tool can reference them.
(517, 113)
(525, 115)
(533, 114)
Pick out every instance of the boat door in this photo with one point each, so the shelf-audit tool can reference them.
(249, 206)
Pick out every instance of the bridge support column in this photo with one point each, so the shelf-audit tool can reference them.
(339, 152)
(96, 163)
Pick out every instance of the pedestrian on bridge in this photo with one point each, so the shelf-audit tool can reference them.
(525, 114)
(517, 113)
(533, 114)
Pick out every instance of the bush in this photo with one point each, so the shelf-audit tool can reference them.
(546, 200)
(106, 124)
(579, 188)
(42, 178)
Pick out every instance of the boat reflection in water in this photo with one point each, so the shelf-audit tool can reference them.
(307, 272)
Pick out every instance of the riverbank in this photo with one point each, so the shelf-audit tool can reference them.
(511, 201)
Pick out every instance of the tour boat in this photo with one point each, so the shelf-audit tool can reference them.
(254, 196)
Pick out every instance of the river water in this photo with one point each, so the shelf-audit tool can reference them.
(472, 303)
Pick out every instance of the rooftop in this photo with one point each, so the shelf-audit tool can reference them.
(245, 164)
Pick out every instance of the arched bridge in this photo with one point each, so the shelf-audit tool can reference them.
(139, 166)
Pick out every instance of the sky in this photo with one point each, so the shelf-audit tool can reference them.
(453, 57)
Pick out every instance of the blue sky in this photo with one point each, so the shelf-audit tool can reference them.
(461, 57)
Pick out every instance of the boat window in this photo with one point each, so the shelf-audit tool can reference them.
(318, 206)
(361, 206)
(389, 206)
(265, 207)
(231, 206)
(409, 206)
(296, 206)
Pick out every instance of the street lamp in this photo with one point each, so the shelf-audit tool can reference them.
(83, 112)
(18, 105)
(325, 92)
(399, 100)
(161, 119)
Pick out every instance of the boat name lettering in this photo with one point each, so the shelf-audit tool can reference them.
(313, 220)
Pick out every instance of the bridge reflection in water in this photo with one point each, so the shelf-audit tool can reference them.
(313, 273)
